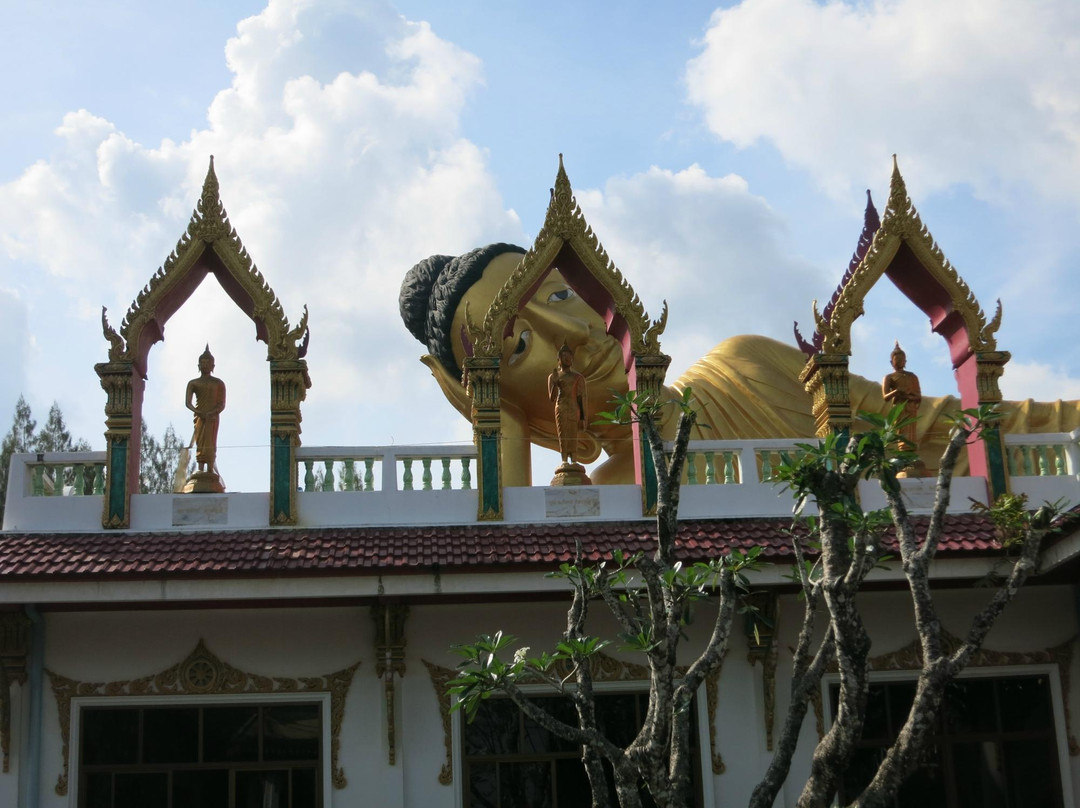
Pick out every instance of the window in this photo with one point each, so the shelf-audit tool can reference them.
(509, 761)
(994, 745)
(208, 756)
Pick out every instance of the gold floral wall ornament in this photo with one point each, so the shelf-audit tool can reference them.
(909, 658)
(566, 240)
(203, 673)
(603, 668)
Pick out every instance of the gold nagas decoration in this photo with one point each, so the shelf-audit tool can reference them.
(203, 673)
(565, 225)
(902, 225)
(209, 228)
(602, 667)
(14, 650)
(910, 658)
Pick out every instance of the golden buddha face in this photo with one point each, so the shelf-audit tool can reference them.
(899, 360)
(554, 315)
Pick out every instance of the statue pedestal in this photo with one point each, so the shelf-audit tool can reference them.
(204, 482)
(571, 474)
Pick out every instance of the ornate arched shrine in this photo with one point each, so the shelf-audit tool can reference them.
(565, 241)
(903, 250)
(209, 246)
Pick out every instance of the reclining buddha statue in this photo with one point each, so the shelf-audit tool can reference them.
(745, 387)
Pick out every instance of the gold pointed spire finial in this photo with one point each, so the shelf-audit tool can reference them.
(898, 195)
(210, 190)
(210, 221)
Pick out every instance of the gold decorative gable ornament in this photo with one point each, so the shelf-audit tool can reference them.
(902, 227)
(567, 241)
(209, 227)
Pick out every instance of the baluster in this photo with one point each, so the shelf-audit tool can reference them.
(1059, 461)
(80, 480)
(328, 476)
(348, 475)
(691, 468)
(406, 478)
(309, 475)
(1044, 466)
(99, 480)
(369, 474)
(37, 481)
(710, 468)
(1010, 459)
(766, 466)
(466, 475)
(58, 480)
(1026, 455)
(729, 468)
(447, 480)
(426, 476)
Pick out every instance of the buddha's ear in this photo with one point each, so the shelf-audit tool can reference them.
(451, 386)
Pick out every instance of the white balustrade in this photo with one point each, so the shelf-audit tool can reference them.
(61, 474)
(1051, 454)
(386, 468)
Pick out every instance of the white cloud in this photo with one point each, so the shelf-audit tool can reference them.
(341, 163)
(1039, 381)
(716, 252)
(980, 92)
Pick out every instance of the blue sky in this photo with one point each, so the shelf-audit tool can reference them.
(721, 155)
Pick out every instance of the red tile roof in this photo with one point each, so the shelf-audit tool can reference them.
(374, 550)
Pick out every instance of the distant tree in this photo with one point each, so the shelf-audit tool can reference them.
(55, 437)
(160, 460)
(20, 438)
(24, 437)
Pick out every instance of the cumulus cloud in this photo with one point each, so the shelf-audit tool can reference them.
(338, 148)
(976, 92)
(702, 243)
(1040, 381)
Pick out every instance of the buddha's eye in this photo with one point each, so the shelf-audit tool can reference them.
(561, 295)
(522, 346)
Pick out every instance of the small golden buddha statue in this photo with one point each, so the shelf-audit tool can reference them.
(567, 390)
(902, 387)
(205, 397)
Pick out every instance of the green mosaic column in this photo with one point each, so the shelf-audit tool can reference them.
(123, 388)
(483, 383)
(989, 367)
(649, 372)
(289, 382)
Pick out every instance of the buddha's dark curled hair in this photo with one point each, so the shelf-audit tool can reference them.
(431, 292)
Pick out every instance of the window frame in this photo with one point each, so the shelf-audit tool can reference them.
(708, 794)
(322, 699)
(1057, 703)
